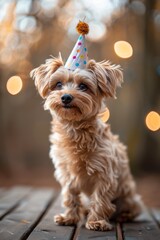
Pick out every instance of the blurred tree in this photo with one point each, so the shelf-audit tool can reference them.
(150, 153)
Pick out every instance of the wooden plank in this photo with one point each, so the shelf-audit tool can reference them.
(156, 215)
(47, 229)
(119, 231)
(2, 191)
(84, 233)
(18, 224)
(11, 199)
(144, 227)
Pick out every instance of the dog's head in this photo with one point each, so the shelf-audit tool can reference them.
(76, 95)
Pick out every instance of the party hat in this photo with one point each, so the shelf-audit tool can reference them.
(79, 56)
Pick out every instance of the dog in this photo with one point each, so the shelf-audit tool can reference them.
(89, 160)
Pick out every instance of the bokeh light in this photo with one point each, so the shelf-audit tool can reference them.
(138, 7)
(26, 24)
(153, 121)
(123, 49)
(103, 9)
(14, 85)
(157, 18)
(104, 116)
(48, 4)
(97, 31)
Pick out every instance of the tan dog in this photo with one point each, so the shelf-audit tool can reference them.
(89, 160)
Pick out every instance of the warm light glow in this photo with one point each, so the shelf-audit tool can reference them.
(123, 49)
(14, 85)
(104, 116)
(153, 121)
(97, 31)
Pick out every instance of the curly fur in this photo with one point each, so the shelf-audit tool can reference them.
(89, 160)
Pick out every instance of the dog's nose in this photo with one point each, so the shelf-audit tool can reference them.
(66, 98)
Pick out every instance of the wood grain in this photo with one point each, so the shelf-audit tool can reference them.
(19, 223)
(143, 228)
(156, 215)
(11, 199)
(2, 191)
(84, 233)
(27, 214)
(119, 231)
(48, 230)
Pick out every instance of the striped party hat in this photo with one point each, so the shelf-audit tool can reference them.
(79, 56)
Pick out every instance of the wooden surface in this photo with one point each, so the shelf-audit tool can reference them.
(27, 213)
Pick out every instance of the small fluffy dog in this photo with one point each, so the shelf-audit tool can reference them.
(89, 160)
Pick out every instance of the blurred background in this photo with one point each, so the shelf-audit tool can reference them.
(127, 32)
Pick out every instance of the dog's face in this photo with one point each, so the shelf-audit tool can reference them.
(76, 95)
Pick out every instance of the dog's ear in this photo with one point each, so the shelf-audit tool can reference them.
(108, 76)
(43, 73)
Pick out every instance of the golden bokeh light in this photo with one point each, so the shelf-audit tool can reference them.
(123, 49)
(14, 85)
(153, 121)
(104, 116)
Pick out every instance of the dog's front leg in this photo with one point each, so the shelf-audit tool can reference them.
(72, 203)
(101, 209)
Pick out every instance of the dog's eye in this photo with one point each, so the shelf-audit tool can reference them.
(82, 87)
(58, 85)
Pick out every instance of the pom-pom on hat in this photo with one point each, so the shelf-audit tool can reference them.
(79, 56)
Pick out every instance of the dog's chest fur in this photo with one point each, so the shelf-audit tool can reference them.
(82, 154)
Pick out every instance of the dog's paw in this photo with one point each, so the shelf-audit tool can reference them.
(100, 225)
(65, 220)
